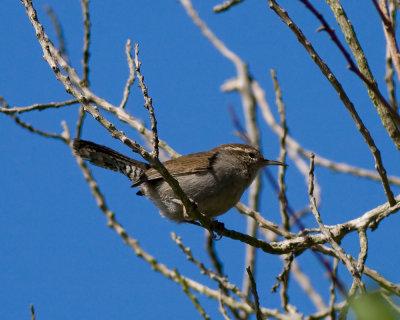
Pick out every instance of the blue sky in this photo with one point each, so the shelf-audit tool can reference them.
(55, 247)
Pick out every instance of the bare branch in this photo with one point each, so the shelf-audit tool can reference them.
(86, 42)
(390, 84)
(262, 222)
(282, 154)
(222, 308)
(226, 5)
(191, 296)
(213, 255)
(79, 122)
(390, 35)
(85, 62)
(384, 283)
(363, 250)
(332, 298)
(255, 294)
(32, 312)
(131, 78)
(39, 107)
(148, 102)
(59, 32)
(29, 127)
(283, 280)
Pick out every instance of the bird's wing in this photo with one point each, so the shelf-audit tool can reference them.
(191, 163)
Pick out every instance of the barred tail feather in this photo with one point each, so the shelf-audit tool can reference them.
(109, 159)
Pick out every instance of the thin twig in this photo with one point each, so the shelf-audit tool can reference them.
(148, 102)
(39, 107)
(332, 292)
(131, 78)
(362, 256)
(226, 5)
(325, 313)
(213, 255)
(252, 226)
(32, 312)
(262, 222)
(240, 132)
(221, 307)
(62, 48)
(79, 122)
(250, 254)
(85, 63)
(284, 277)
(86, 42)
(30, 127)
(255, 294)
(390, 84)
(283, 280)
(390, 35)
(382, 282)
(191, 296)
(282, 154)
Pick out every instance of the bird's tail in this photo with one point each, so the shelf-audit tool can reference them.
(107, 158)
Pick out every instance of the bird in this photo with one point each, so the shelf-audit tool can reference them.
(215, 179)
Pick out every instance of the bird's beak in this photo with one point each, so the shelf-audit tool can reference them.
(273, 163)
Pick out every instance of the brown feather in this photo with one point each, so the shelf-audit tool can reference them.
(191, 163)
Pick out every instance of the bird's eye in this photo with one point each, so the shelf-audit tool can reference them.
(252, 155)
